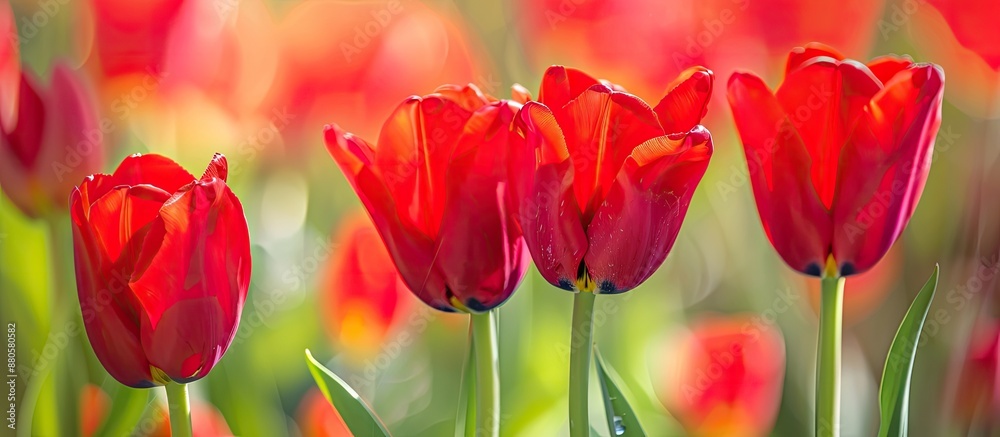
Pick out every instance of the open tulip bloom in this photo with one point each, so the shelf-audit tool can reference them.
(436, 186)
(163, 269)
(609, 182)
(838, 158)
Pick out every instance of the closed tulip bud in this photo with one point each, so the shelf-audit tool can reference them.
(162, 267)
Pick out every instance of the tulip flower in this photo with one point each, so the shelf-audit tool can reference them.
(56, 140)
(610, 184)
(363, 296)
(838, 158)
(94, 407)
(437, 188)
(724, 377)
(977, 395)
(163, 269)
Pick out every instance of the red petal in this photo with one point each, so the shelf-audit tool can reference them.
(638, 221)
(801, 55)
(824, 98)
(884, 167)
(413, 151)
(885, 67)
(792, 214)
(477, 224)
(411, 250)
(560, 85)
(218, 168)
(197, 253)
(156, 170)
(120, 217)
(602, 127)
(469, 97)
(686, 101)
(25, 141)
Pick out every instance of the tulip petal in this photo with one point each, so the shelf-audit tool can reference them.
(637, 223)
(601, 128)
(25, 141)
(548, 213)
(119, 220)
(412, 160)
(110, 326)
(885, 67)
(686, 101)
(70, 152)
(156, 170)
(800, 55)
(791, 212)
(884, 167)
(824, 98)
(477, 225)
(197, 251)
(411, 250)
(469, 97)
(560, 85)
(520, 94)
(217, 168)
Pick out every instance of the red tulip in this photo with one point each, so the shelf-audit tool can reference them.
(56, 140)
(162, 267)
(436, 187)
(317, 418)
(725, 377)
(10, 68)
(612, 177)
(838, 156)
(94, 407)
(363, 295)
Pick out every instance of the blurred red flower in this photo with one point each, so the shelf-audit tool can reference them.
(609, 178)
(206, 420)
(363, 296)
(94, 406)
(162, 266)
(436, 187)
(977, 395)
(317, 418)
(10, 68)
(55, 141)
(724, 377)
(355, 61)
(839, 155)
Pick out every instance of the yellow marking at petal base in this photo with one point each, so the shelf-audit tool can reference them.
(459, 305)
(159, 376)
(831, 267)
(585, 284)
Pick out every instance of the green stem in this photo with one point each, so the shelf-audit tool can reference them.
(828, 357)
(180, 409)
(484, 340)
(581, 346)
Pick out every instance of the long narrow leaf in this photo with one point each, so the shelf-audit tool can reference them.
(894, 393)
(358, 416)
(621, 419)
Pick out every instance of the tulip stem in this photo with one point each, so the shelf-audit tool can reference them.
(180, 409)
(484, 340)
(581, 347)
(828, 357)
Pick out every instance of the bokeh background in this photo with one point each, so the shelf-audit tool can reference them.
(258, 79)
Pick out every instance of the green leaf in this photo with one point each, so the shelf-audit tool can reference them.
(894, 394)
(358, 416)
(621, 418)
